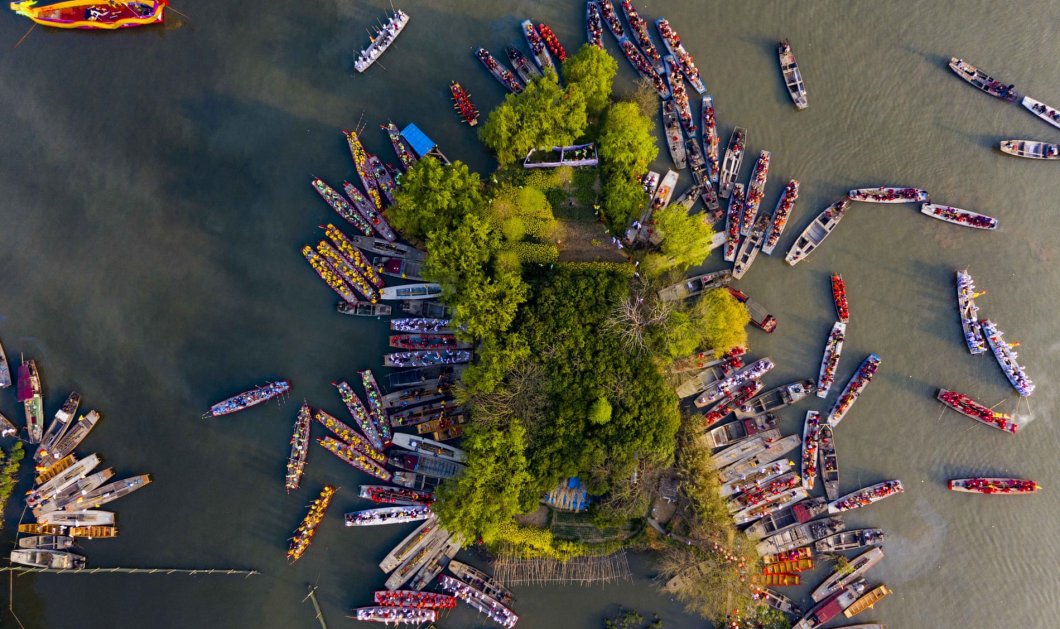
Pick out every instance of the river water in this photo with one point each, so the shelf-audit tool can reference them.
(156, 192)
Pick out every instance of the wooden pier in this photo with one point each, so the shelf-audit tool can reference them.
(580, 570)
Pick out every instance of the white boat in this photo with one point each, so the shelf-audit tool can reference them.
(772, 452)
(420, 444)
(417, 559)
(1006, 358)
(423, 534)
(730, 164)
(756, 478)
(795, 535)
(732, 382)
(832, 606)
(57, 429)
(5, 369)
(388, 515)
(52, 487)
(811, 432)
(382, 40)
(777, 398)
(756, 190)
(781, 215)
(87, 517)
(772, 504)
(1030, 149)
(411, 291)
(396, 615)
(817, 231)
(833, 349)
(741, 451)
(973, 330)
(1043, 111)
(866, 496)
(750, 247)
(841, 578)
(665, 190)
(50, 559)
(733, 220)
(46, 542)
(762, 492)
(789, 68)
(957, 216)
(888, 195)
(674, 139)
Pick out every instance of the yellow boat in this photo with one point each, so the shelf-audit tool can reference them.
(93, 532)
(94, 14)
(46, 474)
(776, 580)
(867, 601)
(789, 567)
(804, 552)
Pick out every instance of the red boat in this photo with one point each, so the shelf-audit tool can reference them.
(970, 408)
(93, 14)
(991, 486)
(412, 598)
(424, 341)
(463, 105)
(726, 406)
(385, 494)
(839, 296)
(552, 42)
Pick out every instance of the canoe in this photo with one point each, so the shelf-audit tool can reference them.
(799, 553)
(781, 215)
(411, 291)
(727, 405)
(973, 330)
(798, 535)
(855, 386)
(830, 607)
(398, 267)
(829, 462)
(710, 138)
(789, 68)
(1030, 149)
(888, 195)
(833, 349)
(983, 81)
(384, 247)
(730, 165)
(979, 412)
(816, 232)
(786, 519)
(639, 27)
(789, 566)
(1006, 358)
(756, 478)
(553, 43)
(388, 515)
(756, 187)
(1043, 111)
(957, 216)
(771, 453)
(733, 220)
(771, 504)
(842, 578)
(867, 601)
(737, 431)
(594, 28)
(522, 66)
(994, 486)
(665, 190)
(93, 14)
(811, 433)
(422, 444)
(640, 63)
(750, 247)
(866, 496)
(395, 615)
(538, 50)
(710, 197)
(743, 450)
(850, 540)
(463, 105)
(777, 398)
(672, 129)
(766, 493)
(503, 76)
(363, 309)
(680, 96)
(729, 384)
(607, 11)
(672, 42)
(696, 285)
(689, 197)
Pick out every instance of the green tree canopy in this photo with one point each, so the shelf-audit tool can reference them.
(621, 201)
(542, 116)
(591, 71)
(488, 306)
(721, 320)
(686, 240)
(435, 197)
(627, 142)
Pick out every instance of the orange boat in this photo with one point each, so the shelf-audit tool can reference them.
(839, 295)
(776, 580)
(804, 552)
(790, 566)
(94, 14)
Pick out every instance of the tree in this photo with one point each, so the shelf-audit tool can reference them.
(721, 320)
(542, 116)
(621, 200)
(600, 411)
(435, 197)
(591, 71)
(627, 144)
(488, 306)
(686, 240)
(459, 255)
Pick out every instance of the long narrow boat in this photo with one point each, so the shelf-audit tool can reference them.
(414, 443)
(775, 580)
(1030, 149)
(388, 515)
(383, 178)
(303, 535)
(47, 542)
(7, 427)
(57, 429)
(672, 129)
(369, 213)
(811, 441)
(479, 601)
(522, 66)
(349, 273)
(437, 563)
(832, 606)
(594, 28)
(405, 398)
(1006, 358)
(789, 566)
(423, 463)
(417, 559)
(789, 68)
(970, 408)
(661, 198)
(829, 463)
(426, 342)
(791, 537)
(299, 448)
(395, 615)
(481, 581)
(29, 393)
(426, 358)
(973, 330)
(453, 430)
(774, 450)
(816, 232)
(614, 23)
(697, 165)
(733, 221)
(764, 493)
(399, 267)
(889, 195)
(424, 376)
(413, 480)
(78, 518)
(786, 519)
(994, 486)
(462, 104)
(538, 50)
(49, 559)
(389, 495)
(75, 435)
(553, 43)
(641, 64)
(672, 42)
(839, 298)
(833, 349)
(756, 188)
(775, 399)
(93, 14)
(866, 496)
(71, 492)
(386, 248)
(744, 450)
(341, 206)
(756, 478)
(411, 598)
(867, 601)
(431, 325)
(707, 377)
(328, 274)
(423, 534)
(1043, 111)
(355, 458)
(376, 408)
(733, 433)
(411, 291)
(841, 578)
(639, 27)
(770, 505)
(792, 555)
(50, 486)
(703, 360)
(981, 80)
(730, 165)
(680, 96)
(750, 247)
(360, 414)
(855, 386)
(781, 215)
(778, 602)
(850, 540)
(388, 32)
(957, 216)
(109, 493)
(730, 383)
(363, 168)
(352, 256)
(5, 369)
(349, 436)
(710, 138)
(401, 147)
(696, 285)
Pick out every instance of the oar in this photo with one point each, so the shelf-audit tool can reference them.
(23, 38)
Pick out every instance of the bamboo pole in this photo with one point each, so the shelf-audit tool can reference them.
(188, 571)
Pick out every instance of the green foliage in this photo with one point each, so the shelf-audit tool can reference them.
(549, 178)
(585, 186)
(457, 256)
(721, 321)
(685, 237)
(522, 212)
(678, 336)
(11, 460)
(600, 411)
(435, 197)
(511, 540)
(627, 144)
(535, 252)
(488, 306)
(497, 356)
(542, 116)
(591, 71)
(622, 199)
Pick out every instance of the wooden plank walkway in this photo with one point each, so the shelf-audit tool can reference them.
(580, 570)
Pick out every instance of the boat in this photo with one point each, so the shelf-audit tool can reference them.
(733, 220)
(5, 369)
(250, 398)
(382, 40)
(364, 170)
(731, 382)
(804, 552)
(811, 435)
(789, 68)
(650, 182)
(888, 195)
(448, 426)
(347, 272)
(29, 393)
(594, 28)
(770, 505)
(866, 496)
(426, 341)
(445, 434)
(423, 463)
(421, 444)
(777, 398)
(363, 309)
(710, 138)
(773, 450)
(842, 578)
(376, 408)
(423, 534)
(696, 285)
(7, 427)
(355, 458)
(93, 14)
(775, 580)
(781, 214)
(404, 153)
(778, 602)
(109, 493)
(855, 386)
(786, 519)
(765, 492)
(1041, 110)
(674, 139)
(70, 491)
(303, 535)
(673, 44)
(817, 231)
(426, 358)
(1006, 358)
(553, 43)
(383, 247)
(1030, 149)
(833, 605)
(708, 376)
(62, 471)
(47, 542)
(756, 478)
(641, 64)
(957, 216)
(48, 559)
(413, 480)
(538, 50)
(793, 536)
(480, 601)
(342, 207)
(689, 197)
(349, 436)
(405, 398)
(833, 349)
(760, 317)
(868, 601)
(732, 433)
(504, 76)
(756, 187)
(383, 178)
(369, 213)
(980, 79)
(607, 11)
(481, 581)
(75, 435)
(77, 518)
(57, 429)
(730, 165)
(743, 450)
(789, 566)
(417, 559)
(299, 448)
(680, 98)
(522, 66)
(713, 204)
(829, 462)
(839, 298)
(639, 27)
(424, 376)
(973, 331)
(575, 155)
(463, 105)
(437, 562)
(703, 360)
(388, 515)
(665, 190)
(416, 599)
(411, 291)
(361, 415)
(386, 494)
(395, 615)
(750, 247)
(427, 325)
(994, 486)
(850, 540)
(327, 273)
(970, 408)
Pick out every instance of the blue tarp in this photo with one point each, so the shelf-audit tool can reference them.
(418, 140)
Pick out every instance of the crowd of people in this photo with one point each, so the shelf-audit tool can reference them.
(364, 169)
(552, 42)
(348, 435)
(411, 598)
(753, 480)
(388, 515)
(594, 27)
(889, 195)
(734, 221)
(686, 60)
(966, 405)
(477, 599)
(810, 444)
(1048, 112)
(1006, 357)
(832, 351)
(355, 458)
(396, 495)
(970, 219)
(731, 382)
(360, 414)
(397, 615)
(303, 535)
(353, 255)
(608, 11)
(537, 47)
(423, 341)
(640, 30)
(640, 62)
(684, 110)
(349, 274)
(997, 485)
(754, 193)
(763, 493)
(427, 358)
(463, 105)
(341, 206)
(868, 495)
(382, 40)
(730, 403)
(839, 296)
(506, 78)
(782, 213)
(328, 275)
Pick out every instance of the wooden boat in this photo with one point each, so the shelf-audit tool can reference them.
(774, 450)
(733, 222)
(866, 496)
(750, 247)
(423, 534)
(481, 581)
(710, 139)
(970, 408)
(833, 349)
(372, 216)
(426, 342)
(77, 518)
(730, 383)
(57, 429)
(798, 535)
(775, 580)
(829, 462)
(480, 601)
(382, 40)
(422, 444)
(764, 492)
(730, 165)
(47, 542)
(426, 358)
(575, 155)
(376, 409)
(363, 309)
(386, 494)
(699, 172)
(55, 484)
(672, 129)
(462, 104)
(417, 559)
(411, 291)
(665, 190)
(594, 28)
(299, 448)
(850, 540)
(832, 605)
(973, 331)
(364, 170)
(5, 369)
(108, 493)
(738, 431)
(741, 451)
(811, 435)
(424, 376)
(641, 64)
(29, 393)
(93, 14)
(789, 68)
(388, 515)
(888, 195)
(355, 458)
(538, 50)
(680, 97)
(868, 601)
(1043, 111)
(781, 215)
(756, 478)
(412, 598)
(816, 232)
(981, 80)
(48, 471)
(349, 274)
(406, 157)
(756, 188)
(430, 309)
(689, 197)
(769, 505)
(369, 426)
(778, 602)
(386, 248)
(842, 578)
(395, 615)
(349, 436)
(423, 325)
(423, 463)
(703, 360)
(50, 559)
(786, 519)
(696, 285)
(69, 492)
(553, 43)
(839, 298)
(775, 399)
(1030, 149)
(994, 486)
(405, 398)
(437, 563)
(503, 76)
(1006, 358)
(522, 66)
(327, 273)
(607, 11)
(760, 317)
(673, 44)
(957, 216)
(639, 27)
(789, 566)
(792, 555)
(75, 435)
(448, 426)
(341, 206)
(855, 386)
(384, 177)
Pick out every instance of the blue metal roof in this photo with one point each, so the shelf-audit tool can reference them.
(418, 140)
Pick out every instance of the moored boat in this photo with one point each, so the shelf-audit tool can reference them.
(811, 435)
(973, 330)
(503, 76)
(970, 408)
(553, 43)
(1030, 149)
(673, 44)
(792, 555)
(7, 427)
(369, 213)
(696, 285)
(29, 393)
(376, 408)
(431, 325)
(994, 486)
(639, 27)
(839, 298)
(412, 598)
(57, 429)
(369, 427)
(341, 206)
(888, 195)
(423, 463)
(405, 398)
(594, 28)
(386, 494)
(328, 274)
(770, 504)
(50, 559)
(841, 578)
(250, 398)
(463, 105)
(775, 399)
(832, 605)
(395, 615)
(708, 376)
(55, 484)
(354, 458)
(108, 493)
(386, 35)
(786, 519)
(1043, 111)
(388, 515)
(764, 492)
(789, 68)
(793, 536)
(47, 542)
(833, 349)
(816, 232)
(829, 462)
(778, 602)
(299, 448)
(781, 215)
(74, 435)
(773, 450)
(703, 360)
(303, 535)
(364, 170)
(672, 129)
(733, 221)
(480, 601)
(538, 50)
(349, 273)
(756, 478)
(750, 247)
(981, 80)
(418, 558)
(607, 11)
(522, 66)
(422, 535)
(855, 386)
(730, 165)
(730, 383)
(426, 358)
(775, 580)
(641, 64)
(866, 496)
(5, 369)
(77, 518)
(363, 309)
(756, 188)
(957, 216)
(387, 248)
(413, 480)
(426, 342)
(760, 317)
(93, 14)
(867, 601)
(850, 540)
(414, 443)
(404, 153)
(733, 433)
(424, 376)
(1006, 358)
(743, 450)
(680, 97)
(411, 291)
(789, 566)
(384, 179)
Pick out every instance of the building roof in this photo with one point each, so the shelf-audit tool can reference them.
(418, 140)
